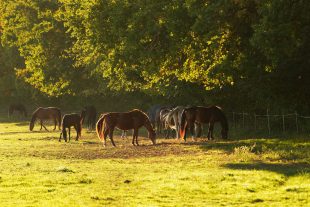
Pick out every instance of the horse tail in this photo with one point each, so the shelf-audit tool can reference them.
(100, 127)
(183, 124)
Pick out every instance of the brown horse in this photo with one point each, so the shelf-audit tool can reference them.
(134, 119)
(42, 114)
(202, 115)
(17, 107)
(69, 120)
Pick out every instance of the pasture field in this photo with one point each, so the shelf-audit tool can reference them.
(37, 170)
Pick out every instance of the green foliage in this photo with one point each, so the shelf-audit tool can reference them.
(222, 50)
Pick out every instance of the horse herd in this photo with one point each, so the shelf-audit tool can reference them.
(162, 118)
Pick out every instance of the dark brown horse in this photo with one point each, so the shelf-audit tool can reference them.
(47, 113)
(134, 119)
(90, 116)
(202, 115)
(17, 107)
(69, 120)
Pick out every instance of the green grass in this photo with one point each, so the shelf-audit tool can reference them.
(37, 170)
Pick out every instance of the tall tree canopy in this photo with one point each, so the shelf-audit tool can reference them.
(254, 52)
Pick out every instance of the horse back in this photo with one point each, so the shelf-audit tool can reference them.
(126, 120)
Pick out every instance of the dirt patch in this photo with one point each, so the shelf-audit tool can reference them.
(93, 149)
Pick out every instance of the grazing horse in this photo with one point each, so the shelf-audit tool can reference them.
(17, 107)
(47, 113)
(90, 115)
(164, 122)
(69, 120)
(173, 119)
(202, 115)
(134, 119)
(151, 112)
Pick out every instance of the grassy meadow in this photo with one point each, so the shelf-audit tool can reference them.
(37, 170)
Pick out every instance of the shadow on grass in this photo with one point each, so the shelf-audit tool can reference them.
(280, 168)
(285, 149)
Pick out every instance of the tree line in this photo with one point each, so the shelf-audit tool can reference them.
(241, 54)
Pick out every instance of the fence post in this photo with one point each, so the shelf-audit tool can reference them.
(296, 121)
(283, 122)
(268, 121)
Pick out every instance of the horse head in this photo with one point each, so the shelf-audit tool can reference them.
(152, 136)
(31, 126)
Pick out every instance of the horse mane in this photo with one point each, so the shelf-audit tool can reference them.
(34, 114)
(147, 119)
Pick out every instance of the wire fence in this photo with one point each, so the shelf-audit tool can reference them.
(292, 122)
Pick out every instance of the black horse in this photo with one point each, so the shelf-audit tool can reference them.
(202, 115)
(90, 116)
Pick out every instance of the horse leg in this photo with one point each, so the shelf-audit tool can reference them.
(133, 137)
(111, 137)
(191, 128)
(198, 129)
(167, 133)
(42, 125)
(69, 133)
(77, 133)
(55, 123)
(105, 134)
(211, 129)
(137, 138)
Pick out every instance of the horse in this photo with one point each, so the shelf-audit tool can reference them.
(75, 120)
(17, 107)
(173, 119)
(164, 122)
(134, 119)
(151, 112)
(47, 113)
(202, 115)
(158, 123)
(91, 115)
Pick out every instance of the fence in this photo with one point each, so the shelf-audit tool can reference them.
(287, 122)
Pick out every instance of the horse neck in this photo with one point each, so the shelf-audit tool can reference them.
(148, 125)
(33, 118)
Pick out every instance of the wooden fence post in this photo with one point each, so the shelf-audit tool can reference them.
(283, 122)
(296, 121)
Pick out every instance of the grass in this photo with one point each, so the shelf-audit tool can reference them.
(37, 170)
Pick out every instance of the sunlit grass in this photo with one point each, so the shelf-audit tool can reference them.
(37, 170)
